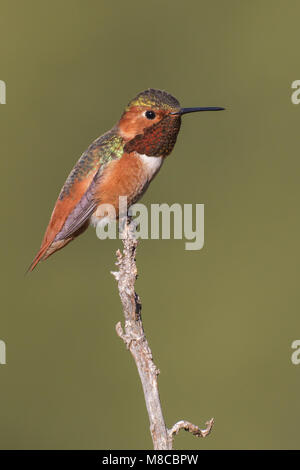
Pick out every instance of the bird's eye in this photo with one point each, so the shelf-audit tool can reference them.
(150, 114)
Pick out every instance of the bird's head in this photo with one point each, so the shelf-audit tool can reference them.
(151, 122)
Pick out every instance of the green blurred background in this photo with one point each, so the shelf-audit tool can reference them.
(220, 321)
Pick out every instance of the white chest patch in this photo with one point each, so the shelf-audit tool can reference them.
(151, 165)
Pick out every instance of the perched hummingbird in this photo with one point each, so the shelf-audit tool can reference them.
(122, 162)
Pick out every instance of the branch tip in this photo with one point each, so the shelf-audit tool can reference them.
(192, 428)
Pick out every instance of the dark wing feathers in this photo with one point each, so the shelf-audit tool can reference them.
(81, 213)
(77, 200)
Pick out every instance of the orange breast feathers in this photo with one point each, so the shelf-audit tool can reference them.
(128, 176)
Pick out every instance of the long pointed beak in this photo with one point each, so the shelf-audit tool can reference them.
(196, 110)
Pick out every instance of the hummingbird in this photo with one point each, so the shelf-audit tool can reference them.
(122, 162)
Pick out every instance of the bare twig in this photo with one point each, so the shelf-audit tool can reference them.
(195, 430)
(134, 337)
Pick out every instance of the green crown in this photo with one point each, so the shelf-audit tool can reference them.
(154, 99)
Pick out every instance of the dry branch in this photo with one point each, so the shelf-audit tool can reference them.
(134, 337)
